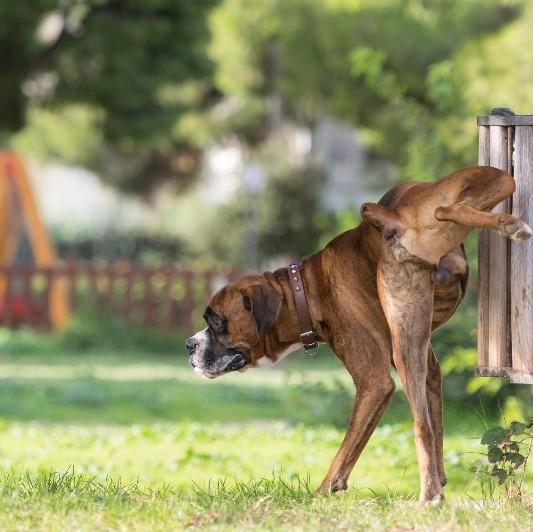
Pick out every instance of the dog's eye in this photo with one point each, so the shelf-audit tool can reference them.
(247, 302)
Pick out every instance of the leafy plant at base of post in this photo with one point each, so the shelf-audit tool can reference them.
(508, 451)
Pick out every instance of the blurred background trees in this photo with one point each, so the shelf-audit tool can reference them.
(143, 93)
(133, 71)
(141, 88)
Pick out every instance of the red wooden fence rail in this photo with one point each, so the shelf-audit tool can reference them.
(158, 297)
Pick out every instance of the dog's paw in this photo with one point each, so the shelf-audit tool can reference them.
(434, 502)
(329, 487)
(515, 229)
(524, 232)
(339, 485)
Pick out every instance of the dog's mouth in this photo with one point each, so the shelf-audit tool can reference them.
(226, 364)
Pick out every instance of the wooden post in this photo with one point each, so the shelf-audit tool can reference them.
(483, 267)
(522, 257)
(493, 332)
(505, 312)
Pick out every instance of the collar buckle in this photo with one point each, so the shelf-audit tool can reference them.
(310, 347)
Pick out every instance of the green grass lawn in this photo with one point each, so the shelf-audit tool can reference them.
(135, 441)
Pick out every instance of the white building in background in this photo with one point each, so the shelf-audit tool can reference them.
(344, 160)
(336, 150)
(351, 176)
(221, 172)
(77, 201)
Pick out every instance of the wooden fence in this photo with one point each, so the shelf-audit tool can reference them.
(158, 297)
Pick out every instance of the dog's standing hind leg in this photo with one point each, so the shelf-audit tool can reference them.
(406, 294)
(434, 394)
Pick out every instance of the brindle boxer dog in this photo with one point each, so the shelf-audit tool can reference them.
(375, 294)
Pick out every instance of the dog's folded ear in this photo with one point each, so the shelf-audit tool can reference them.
(264, 302)
(385, 219)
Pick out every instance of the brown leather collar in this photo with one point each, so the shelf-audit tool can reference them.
(307, 334)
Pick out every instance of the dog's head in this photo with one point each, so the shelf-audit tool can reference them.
(238, 317)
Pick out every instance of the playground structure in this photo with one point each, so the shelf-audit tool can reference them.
(505, 309)
(37, 290)
(25, 242)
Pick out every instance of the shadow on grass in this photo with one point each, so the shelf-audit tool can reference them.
(91, 400)
(43, 380)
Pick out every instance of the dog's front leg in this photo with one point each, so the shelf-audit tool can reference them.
(369, 366)
(406, 294)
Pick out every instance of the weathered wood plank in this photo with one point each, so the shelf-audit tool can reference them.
(522, 257)
(513, 120)
(485, 371)
(510, 171)
(517, 377)
(499, 355)
(483, 263)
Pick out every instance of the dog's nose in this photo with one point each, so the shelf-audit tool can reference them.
(191, 344)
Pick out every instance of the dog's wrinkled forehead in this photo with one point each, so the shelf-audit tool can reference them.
(219, 300)
(225, 310)
(228, 300)
(224, 303)
(247, 307)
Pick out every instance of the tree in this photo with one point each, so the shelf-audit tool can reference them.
(387, 67)
(139, 64)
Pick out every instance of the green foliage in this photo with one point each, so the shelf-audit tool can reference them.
(73, 135)
(88, 331)
(161, 79)
(140, 247)
(26, 341)
(67, 483)
(332, 400)
(397, 69)
(276, 489)
(288, 214)
(140, 67)
(286, 219)
(508, 451)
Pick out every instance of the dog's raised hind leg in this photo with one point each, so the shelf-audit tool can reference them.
(504, 224)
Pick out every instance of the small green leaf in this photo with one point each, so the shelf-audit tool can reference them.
(500, 474)
(516, 459)
(494, 436)
(517, 428)
(495, 454)
(513, 446)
